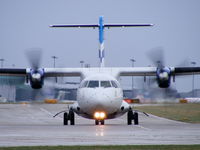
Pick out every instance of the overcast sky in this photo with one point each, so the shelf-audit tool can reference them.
(24, 24)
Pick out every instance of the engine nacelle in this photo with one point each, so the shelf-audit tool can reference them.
(36, 78)
(163, 77)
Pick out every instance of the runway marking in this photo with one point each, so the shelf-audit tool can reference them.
(15, 130)
(166, 119)
(143, 127)
(49, 113)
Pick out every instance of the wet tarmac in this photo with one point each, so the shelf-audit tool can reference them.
(33, 124)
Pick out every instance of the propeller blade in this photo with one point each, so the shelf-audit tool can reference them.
(156, 55)
(34, 57)
(184, 63)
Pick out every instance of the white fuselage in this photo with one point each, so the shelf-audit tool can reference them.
(100, 93)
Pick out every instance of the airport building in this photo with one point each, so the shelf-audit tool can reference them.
(8, 87)
(13, 89)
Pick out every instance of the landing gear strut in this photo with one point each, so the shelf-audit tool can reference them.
(132, 116)
(99, 121)
(69, 117)
(96, 122)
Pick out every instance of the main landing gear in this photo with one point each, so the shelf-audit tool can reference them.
(132, 116)
(69, 116)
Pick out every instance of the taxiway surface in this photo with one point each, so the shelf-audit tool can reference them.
(33, 124)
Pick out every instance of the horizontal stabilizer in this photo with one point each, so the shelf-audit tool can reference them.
(127, 25)
(75, 26)
(96, 25)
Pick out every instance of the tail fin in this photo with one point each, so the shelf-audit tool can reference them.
(101, 42)
(101, 27)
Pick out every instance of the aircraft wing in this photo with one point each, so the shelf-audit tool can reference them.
(151, 71)
(12, 72)
(186, 70)
(61, 72)
(121, 71)
(137, 71)
(48, 72)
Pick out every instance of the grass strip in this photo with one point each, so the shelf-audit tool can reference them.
(129, 147)
(181, 112)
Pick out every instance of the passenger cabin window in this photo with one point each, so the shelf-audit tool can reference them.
(114, 84)
(93, 84)
(105, 84)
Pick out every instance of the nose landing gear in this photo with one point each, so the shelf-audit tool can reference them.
(99, 121)
(132, 116)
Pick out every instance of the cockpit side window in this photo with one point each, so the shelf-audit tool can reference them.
(105, 84)
(93, 84)
(84, 84)
(114, 84)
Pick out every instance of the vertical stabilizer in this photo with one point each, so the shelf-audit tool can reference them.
(101, 27)
(101, 42)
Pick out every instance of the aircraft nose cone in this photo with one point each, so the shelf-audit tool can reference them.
(101, 101)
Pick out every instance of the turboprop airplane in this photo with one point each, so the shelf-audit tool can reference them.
(100, 96)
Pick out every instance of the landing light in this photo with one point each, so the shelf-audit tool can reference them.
(102, 115)
(99, 115)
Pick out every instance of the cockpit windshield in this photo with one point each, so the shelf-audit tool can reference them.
(97, 83)
(93, 84)
(105, 84)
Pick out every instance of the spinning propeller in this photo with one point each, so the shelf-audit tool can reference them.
(36, 75)
(163, 73)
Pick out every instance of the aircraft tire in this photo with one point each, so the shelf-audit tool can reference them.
(135, 117)
(65, 118)
(102, 122)
(129, 117)
(96, 122)
(71, 117)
